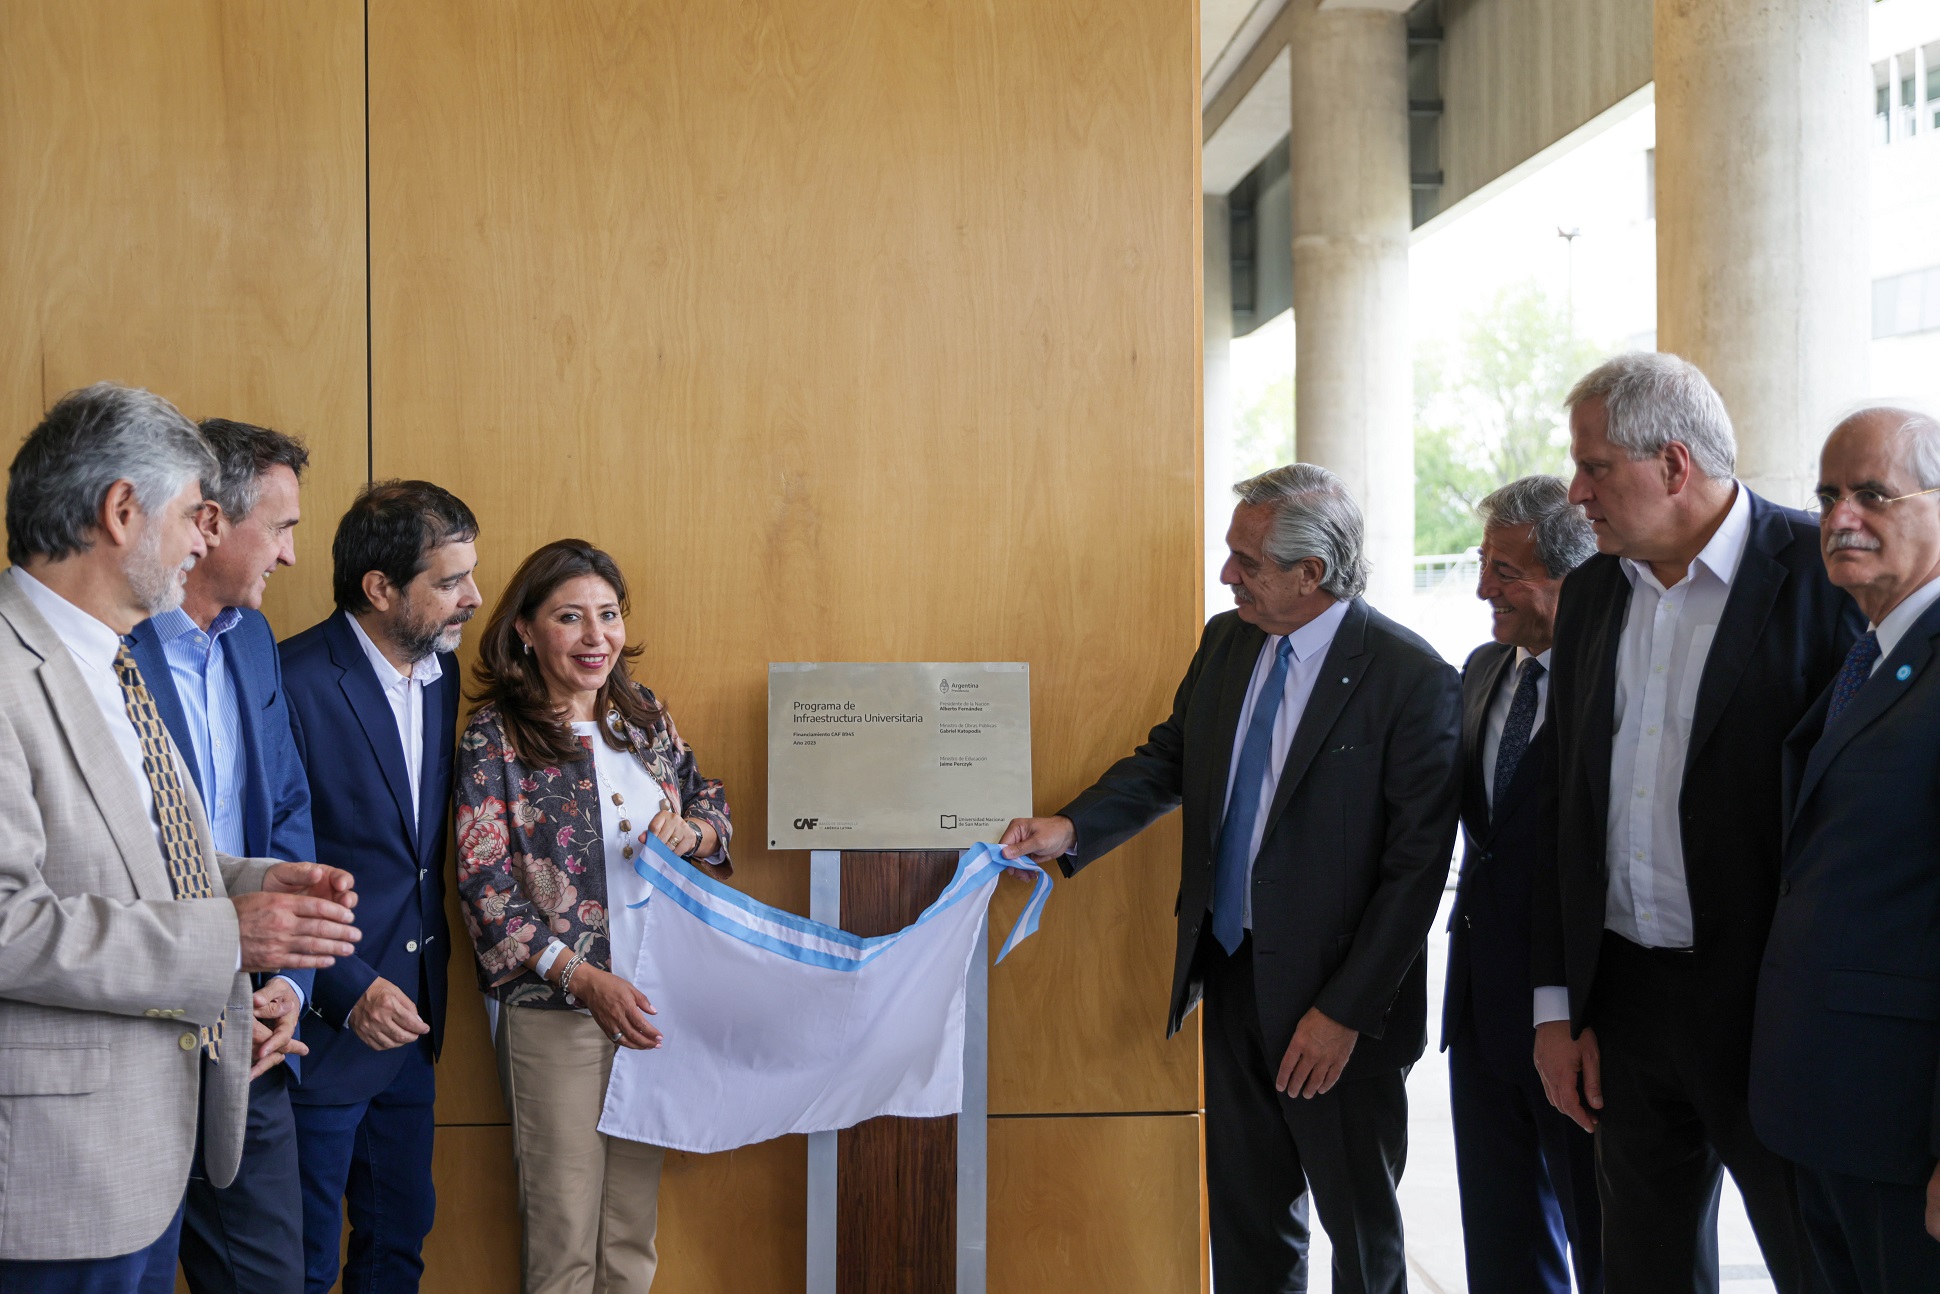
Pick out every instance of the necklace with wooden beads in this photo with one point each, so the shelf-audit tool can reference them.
(612, 793)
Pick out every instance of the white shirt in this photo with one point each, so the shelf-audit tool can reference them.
(1667, 638)
(1900, 619)
(1498, 716)
(93, 645)
(616, 770)
(1310, 644)
(405, 692)
(1667, 635)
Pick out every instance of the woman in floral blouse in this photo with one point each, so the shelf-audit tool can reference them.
(563, 772)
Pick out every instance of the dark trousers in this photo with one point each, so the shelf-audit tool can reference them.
(1674, 1117)
(1868, 1237)
(1265, 1149)
(1528, 1179)
(149, 1270)
(372, 1160)
(247, 1238)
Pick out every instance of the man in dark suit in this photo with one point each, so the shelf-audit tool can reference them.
(211, 666)
(1527, 1174)
(374, 705)
(1313, 747)
(1846, 1049)
(1685, 652)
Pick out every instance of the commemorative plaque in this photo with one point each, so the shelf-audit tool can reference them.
(896, 756)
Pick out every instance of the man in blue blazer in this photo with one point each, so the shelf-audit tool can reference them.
(374, 706)
(1527, 1174)
(213, 670)
(1845, 1074)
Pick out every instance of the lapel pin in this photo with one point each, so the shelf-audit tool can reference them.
(1905, 673)
(1343, 678)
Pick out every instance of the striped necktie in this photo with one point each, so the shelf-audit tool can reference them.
(188, 871)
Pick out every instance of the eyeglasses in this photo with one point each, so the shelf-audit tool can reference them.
(1866, 500)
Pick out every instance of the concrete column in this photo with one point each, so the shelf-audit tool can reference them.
(1217, 440)
(1353, 371)
(1762, 194)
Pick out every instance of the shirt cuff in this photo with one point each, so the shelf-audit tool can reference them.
(549, 956)
(302, 1002)
(1552, 1004)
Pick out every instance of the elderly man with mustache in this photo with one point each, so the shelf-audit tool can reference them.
(1845, 1077)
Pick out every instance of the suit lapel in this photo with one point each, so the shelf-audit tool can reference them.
(1876, 697)
(360, 688)
(1243, 656)
(249, 712)
(99, 760)
(1748, 605)
(436, 751)
(1340, 674)
(1599, 725)
(1479, 694)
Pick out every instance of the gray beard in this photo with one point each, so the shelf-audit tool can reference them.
(154, 582)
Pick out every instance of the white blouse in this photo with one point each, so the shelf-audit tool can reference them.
(617, 770)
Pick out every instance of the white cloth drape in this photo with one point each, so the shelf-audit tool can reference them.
(775, 1024)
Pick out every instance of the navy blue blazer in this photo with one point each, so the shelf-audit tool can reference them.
(1845, 1073)
(1488, 945)
(360, 798)
(1784, 631)
(276, 794)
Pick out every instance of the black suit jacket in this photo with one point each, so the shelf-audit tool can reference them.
(1846, 1049)
(360, 797)
(1784, 632)
(1357, 837)
(1488, 944)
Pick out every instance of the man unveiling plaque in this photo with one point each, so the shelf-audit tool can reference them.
(896, 756)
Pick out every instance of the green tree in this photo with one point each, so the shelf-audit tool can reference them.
(1263, 431)
(1489, 409)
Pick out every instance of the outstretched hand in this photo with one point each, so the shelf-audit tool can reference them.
(1043, 839)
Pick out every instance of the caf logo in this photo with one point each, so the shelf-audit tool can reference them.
(806, 824)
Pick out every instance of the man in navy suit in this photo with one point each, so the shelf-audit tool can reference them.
(1527, 1174)
(374, 705)
(212, 668)
(1845, 1075)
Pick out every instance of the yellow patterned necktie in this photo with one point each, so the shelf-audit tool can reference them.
(188, 872)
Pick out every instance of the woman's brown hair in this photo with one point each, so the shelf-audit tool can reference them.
(509, 677)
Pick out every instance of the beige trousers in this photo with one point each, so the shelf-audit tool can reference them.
(590, 1203)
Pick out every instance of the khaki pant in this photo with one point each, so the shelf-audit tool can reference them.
(590, 1203)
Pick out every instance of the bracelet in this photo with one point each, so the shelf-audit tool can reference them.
(696, 849)
(566, 976)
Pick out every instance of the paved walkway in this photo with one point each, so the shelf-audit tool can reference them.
(1430, 1204)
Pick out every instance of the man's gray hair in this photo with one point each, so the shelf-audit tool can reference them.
(1651, 399)
(243, 453)
(1564, 538)
(1313, 516)
(90, 439)
(1918, 434)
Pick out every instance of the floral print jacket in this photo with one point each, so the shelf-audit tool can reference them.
(531, 853)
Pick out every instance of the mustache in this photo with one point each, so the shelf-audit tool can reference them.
(462, 616)
(1850, 539)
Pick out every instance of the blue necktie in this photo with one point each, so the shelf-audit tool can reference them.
(1516, 730)
(1852, 675)
(1231, 865)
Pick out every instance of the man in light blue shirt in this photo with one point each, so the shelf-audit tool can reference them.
(216, 677)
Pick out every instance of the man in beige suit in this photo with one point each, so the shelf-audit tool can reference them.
(125, 940)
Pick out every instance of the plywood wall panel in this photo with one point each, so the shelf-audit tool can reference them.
(182, 208)
(1096, 1205)
(857, 332)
